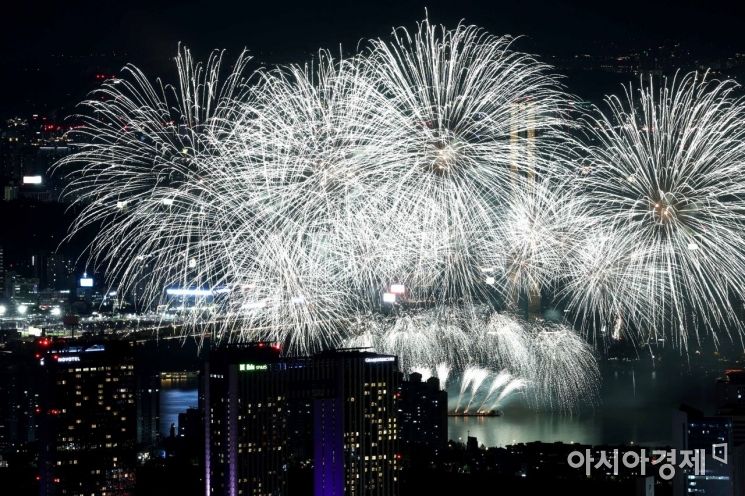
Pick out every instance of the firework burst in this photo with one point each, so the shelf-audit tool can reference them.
(566, 372)
(471, 114)
(663, 180)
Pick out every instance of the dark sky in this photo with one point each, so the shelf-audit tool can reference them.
(144, 29)
(147, 33)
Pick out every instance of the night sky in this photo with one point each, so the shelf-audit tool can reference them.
(43, 43)
(146, 29)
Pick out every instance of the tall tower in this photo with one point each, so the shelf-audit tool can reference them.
(423, 416)
(2, 272)
(87, 418)
(356, 430)
(523, 173)
(721, 464)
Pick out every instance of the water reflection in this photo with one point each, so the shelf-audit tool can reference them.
(524, 427)
(177, 394)
(637, 405)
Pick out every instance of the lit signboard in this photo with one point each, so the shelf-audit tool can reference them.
(380, 359)
(31, 179)
(252, 367)
(86, 282)
(64, 359)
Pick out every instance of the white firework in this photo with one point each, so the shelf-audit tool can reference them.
(513, 387)
(566, 372)
(427, 338)
(533, 245)
(498, 383)
(442, 372)
(471, 380)
(416, 343)
(303, 192)
(291, 293)
(139, 176)
(663, 180)
(473, 113)
(365, 331)
(504, 342)
(290, 199)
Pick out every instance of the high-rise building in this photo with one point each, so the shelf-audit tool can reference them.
(148, 407)
(355, 421)
(52, 270)
(423, 416)
(87, 418)
(18, 400)
(252, 464)
(265, 414)
(730, 401)
(522, 142)
(714, 435)
(18, 397)
(2, 272)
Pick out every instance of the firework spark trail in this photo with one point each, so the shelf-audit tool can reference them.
(502, 378)
(664, 184)
(467, 378)
(477, 376)
(559, 369)
(566, 372)
(442, 371)
(143, 150)
(533, 244)
(514, 385)
(414, 341)
(505, 343)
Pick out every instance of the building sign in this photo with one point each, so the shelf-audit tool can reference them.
(252, 367)
(64, 359)
(380, 359)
